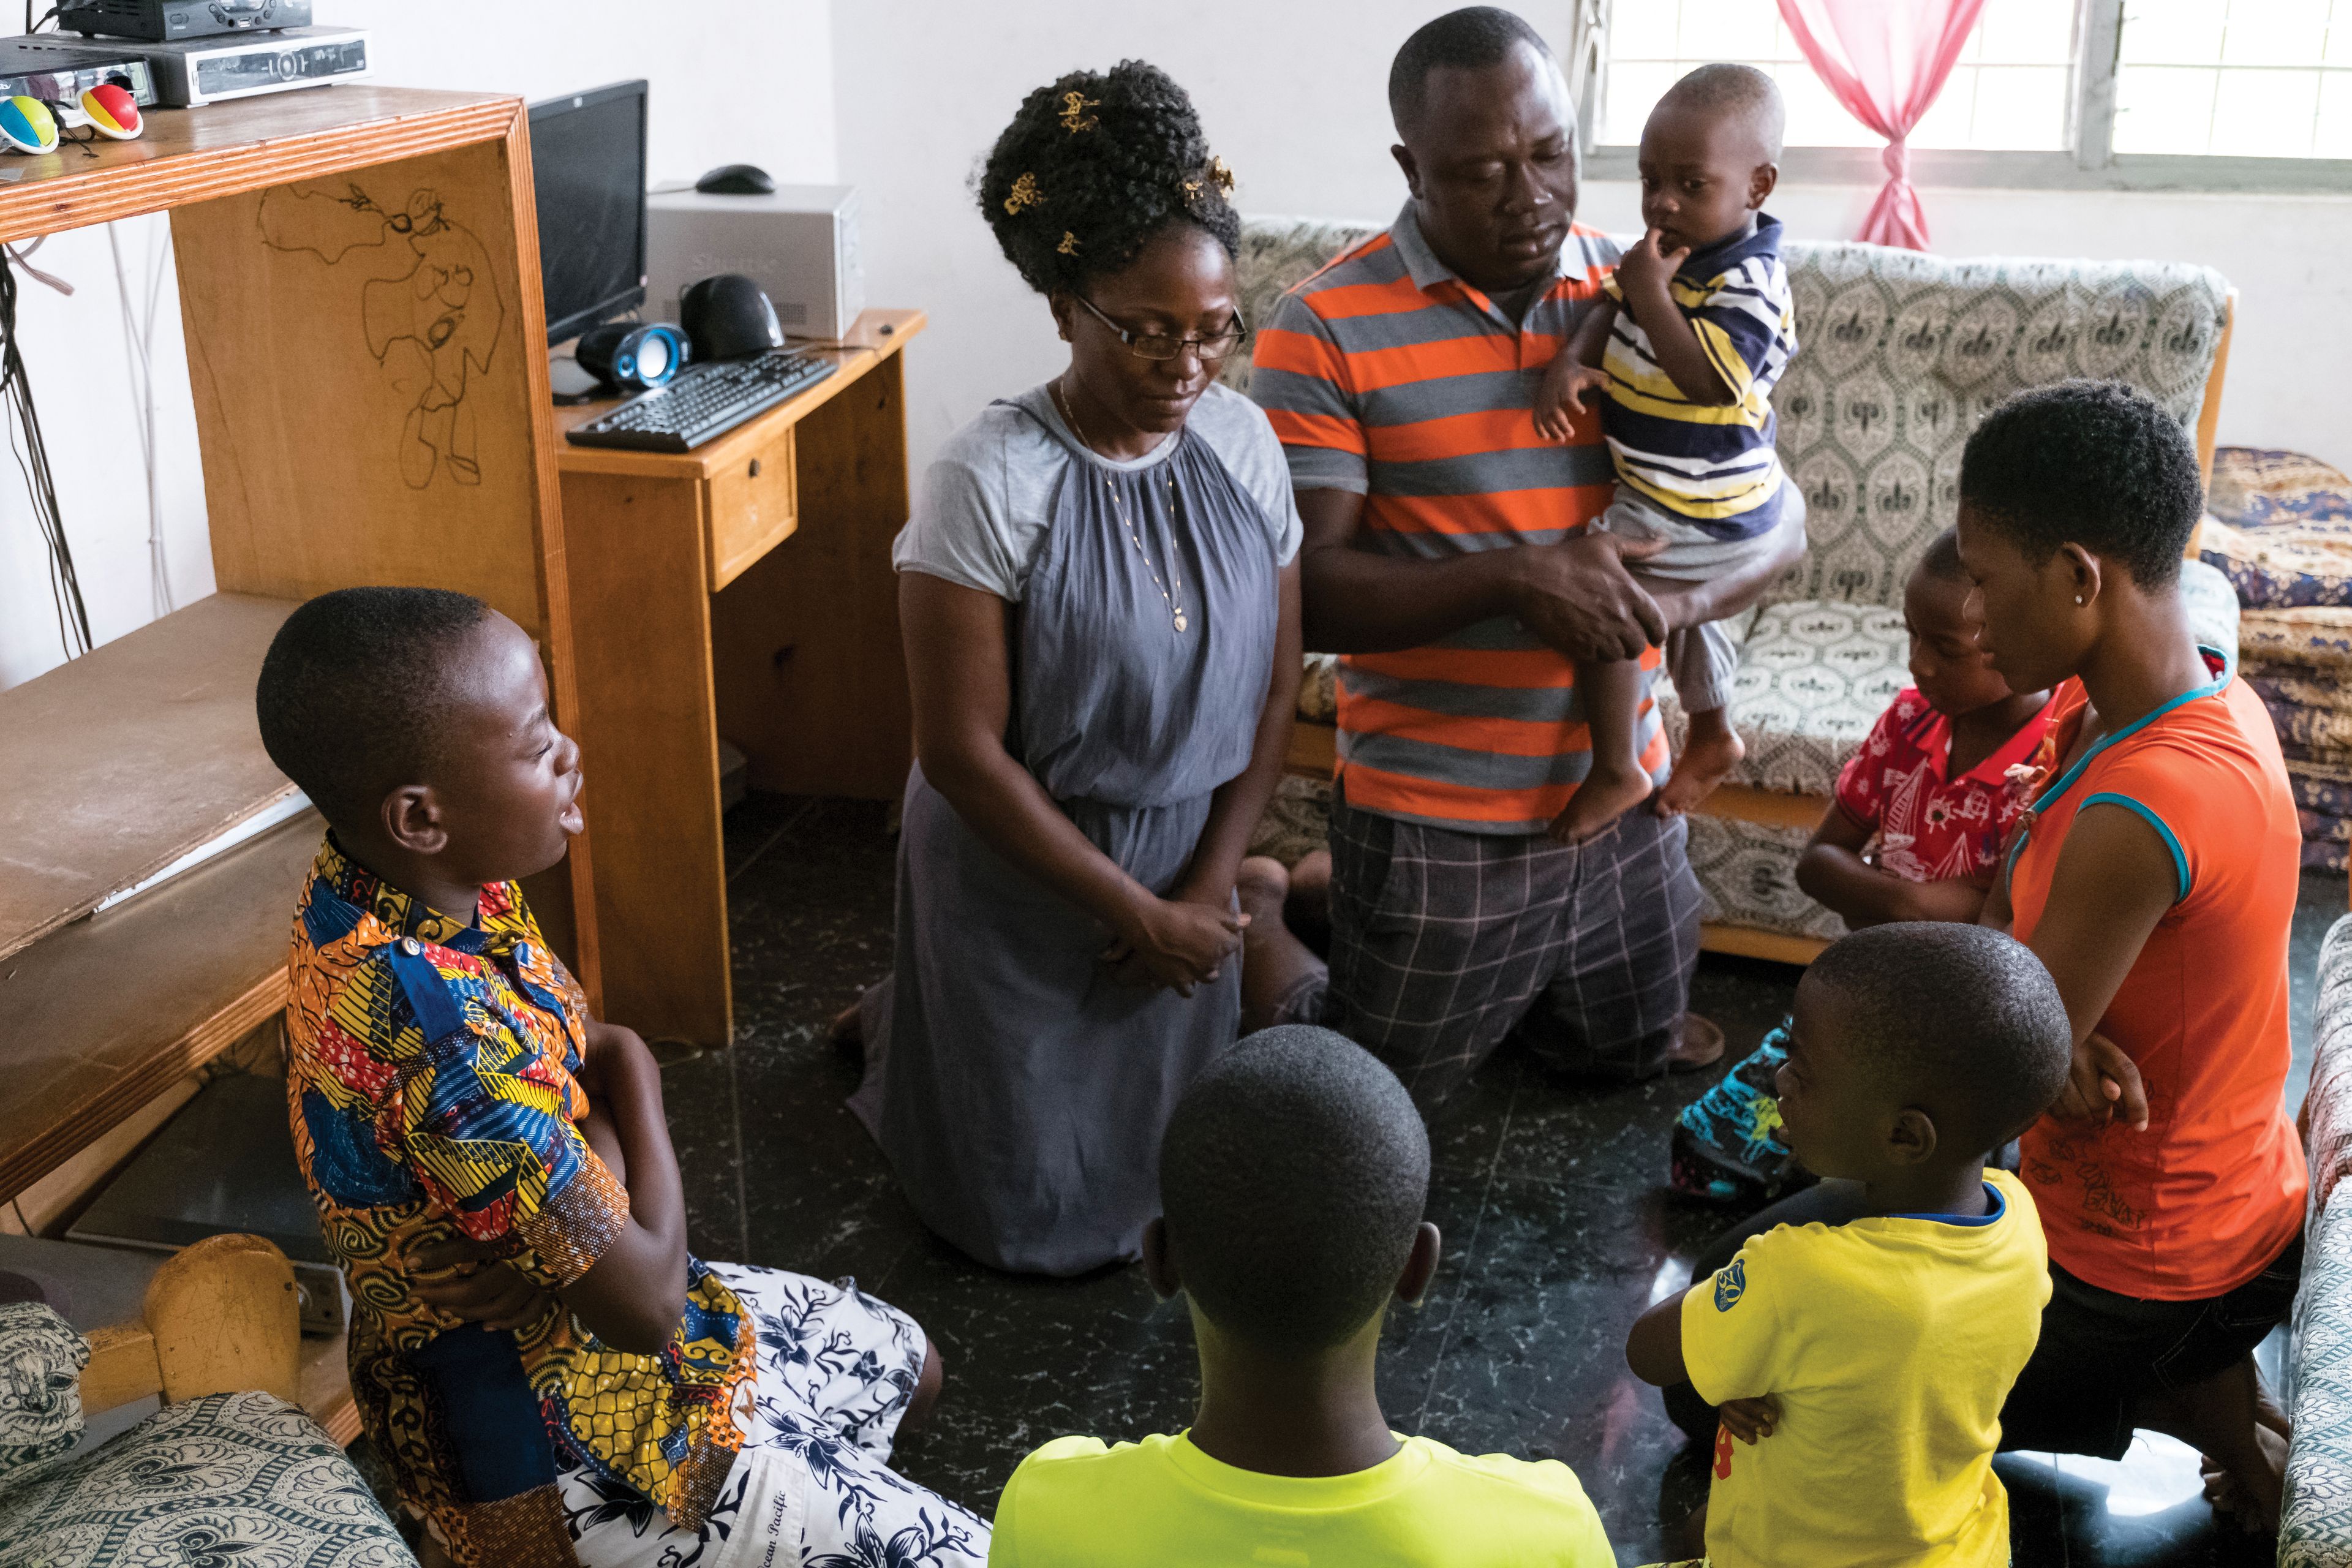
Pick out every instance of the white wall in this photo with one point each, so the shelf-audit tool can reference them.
(1293, 94)
(902, 97)
(74, 348)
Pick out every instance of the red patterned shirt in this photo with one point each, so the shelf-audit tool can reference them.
(1931, 827)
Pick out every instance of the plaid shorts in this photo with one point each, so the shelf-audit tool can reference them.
(1444, 944)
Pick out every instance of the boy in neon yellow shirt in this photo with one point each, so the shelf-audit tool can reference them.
(1861, 1362)
(1293, 1176)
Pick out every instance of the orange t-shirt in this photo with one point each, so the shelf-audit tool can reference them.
(2201, 1202)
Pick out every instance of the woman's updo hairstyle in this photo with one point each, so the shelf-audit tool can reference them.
(1093, 167)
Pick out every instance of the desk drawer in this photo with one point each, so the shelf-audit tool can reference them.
(753, 507)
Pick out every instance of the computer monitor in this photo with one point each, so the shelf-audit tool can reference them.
(588, 162)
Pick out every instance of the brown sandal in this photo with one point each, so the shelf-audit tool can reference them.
(1698, 1044)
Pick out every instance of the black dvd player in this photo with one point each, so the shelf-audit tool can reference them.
(165, 21)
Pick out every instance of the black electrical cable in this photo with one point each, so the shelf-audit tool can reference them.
(32, 455)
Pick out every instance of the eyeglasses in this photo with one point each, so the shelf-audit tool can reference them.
(1161, 346)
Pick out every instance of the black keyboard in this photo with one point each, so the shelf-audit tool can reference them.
(704, 402)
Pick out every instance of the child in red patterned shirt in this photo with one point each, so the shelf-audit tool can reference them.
(1921, 814)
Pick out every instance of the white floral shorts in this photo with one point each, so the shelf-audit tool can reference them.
(812, 1487)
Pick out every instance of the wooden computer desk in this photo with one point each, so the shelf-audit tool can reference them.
(741, 589)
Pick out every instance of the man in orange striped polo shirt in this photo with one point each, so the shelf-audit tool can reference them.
(1446, 557)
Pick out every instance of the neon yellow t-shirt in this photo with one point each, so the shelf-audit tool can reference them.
(1890, 1344)
(1163, 1503)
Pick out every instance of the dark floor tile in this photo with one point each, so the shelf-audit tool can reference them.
(1550, 1195)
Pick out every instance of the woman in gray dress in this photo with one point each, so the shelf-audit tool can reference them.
(1099, 598)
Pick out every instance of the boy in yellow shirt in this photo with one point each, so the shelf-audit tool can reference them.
(1861, 1360)
(1293, 1177)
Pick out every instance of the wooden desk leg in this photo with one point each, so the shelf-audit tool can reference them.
(641, 624)
(809, 679)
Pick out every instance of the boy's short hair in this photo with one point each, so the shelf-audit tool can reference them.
(1959, 1017)
(1473, 38)
(1735, 90)
(1942, 561)
(2091, 463)
(353, 695)
(1293, 1177)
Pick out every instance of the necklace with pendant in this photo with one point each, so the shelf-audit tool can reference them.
(1118, 505)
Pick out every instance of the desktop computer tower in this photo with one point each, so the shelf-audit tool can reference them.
(800, 244)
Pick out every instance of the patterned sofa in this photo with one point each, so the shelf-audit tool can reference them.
(2315, 1527)
(227, 1472)
(1901, 353)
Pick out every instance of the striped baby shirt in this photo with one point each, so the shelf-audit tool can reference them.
(1386, 374)
(1711, 463)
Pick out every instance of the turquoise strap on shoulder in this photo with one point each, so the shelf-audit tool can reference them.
(2147, 814)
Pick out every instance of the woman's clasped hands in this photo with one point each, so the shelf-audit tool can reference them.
(1177, 943)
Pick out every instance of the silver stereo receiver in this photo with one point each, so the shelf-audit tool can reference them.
(195, 71)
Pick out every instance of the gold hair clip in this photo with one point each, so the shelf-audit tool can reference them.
(1074, 117)
(1069, 246)
(1024, 194)
(1223, 176)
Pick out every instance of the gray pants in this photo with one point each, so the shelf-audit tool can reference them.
(1443, 943)
(1701, 660)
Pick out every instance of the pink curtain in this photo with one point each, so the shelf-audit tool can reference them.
(1886, 60)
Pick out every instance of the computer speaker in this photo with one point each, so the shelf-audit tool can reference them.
(632, 357)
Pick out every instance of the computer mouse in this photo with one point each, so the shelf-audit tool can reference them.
(112, 112)
(736, 180)
(27, 125)
(729, 317)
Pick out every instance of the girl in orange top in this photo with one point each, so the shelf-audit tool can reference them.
(2156, 875)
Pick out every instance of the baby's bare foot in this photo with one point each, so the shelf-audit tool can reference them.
(1607, 792)
(1709, 753)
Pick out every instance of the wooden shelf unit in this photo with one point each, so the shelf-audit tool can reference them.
(122, 761)
(359, 281)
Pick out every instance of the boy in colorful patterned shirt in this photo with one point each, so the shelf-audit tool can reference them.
(1684, 355)
(552, 1377)
(1914, 832)
(1859, 1357)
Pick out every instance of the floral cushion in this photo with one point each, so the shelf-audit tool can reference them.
(2261, 489)
(1903, 352)
(2327, 1131)
(2315, 1528)
(2296, 566)
(41, 1360)
(1747, 877)
(1276, 256)
(2317, 641)
(2315, 1521)
(1814, 678)
(232, 1478)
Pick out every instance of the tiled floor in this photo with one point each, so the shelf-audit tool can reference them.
(1549, 1194)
